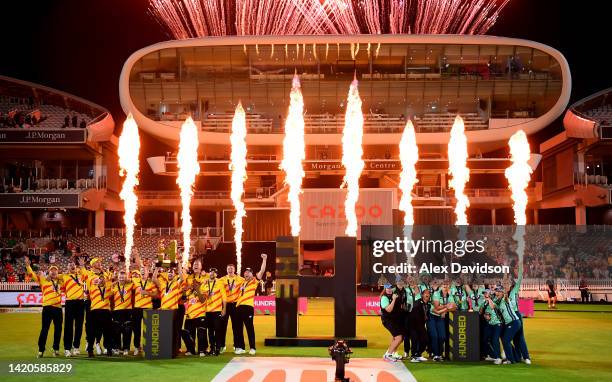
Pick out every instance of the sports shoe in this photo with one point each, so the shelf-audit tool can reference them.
(39, 355)
(76, 351)
(252, 351)
(396, 356)
(506, 362)
(222, 350)
(489, 358)
(90, 354)
(422, 359)
(389, 357)
(126, 352)
(405, 355)
(414, 360)
(67, 354)
(188, 353)
(527, 361)
(98, 349)
(497, 361)
(438, 358)
(56, 353)
(115, 352)
(136, 351)
(202, 354)
(239, 351)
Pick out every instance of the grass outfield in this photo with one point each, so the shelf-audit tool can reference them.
(565, 345)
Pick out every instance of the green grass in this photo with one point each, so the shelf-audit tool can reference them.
(565, 346)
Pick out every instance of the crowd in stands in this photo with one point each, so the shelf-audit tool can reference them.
(27, 113)
(563, 255)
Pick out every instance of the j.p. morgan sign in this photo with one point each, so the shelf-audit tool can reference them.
(35, 135)
(36, 200)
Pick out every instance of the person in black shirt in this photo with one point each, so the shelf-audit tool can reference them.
(418, 334)
(552, 294)
(75, 121)
(390, 309)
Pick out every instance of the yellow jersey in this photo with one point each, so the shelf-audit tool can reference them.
(193, 307)
(100, 293)
(122, 296)
(171, 292)
(51, 289)
(141, 300)
(231, 284)
(216, 295)
(73, 286)
(247, 292)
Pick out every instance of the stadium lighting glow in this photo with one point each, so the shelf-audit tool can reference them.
(238, 167)
(189, 167)
(197, 18)
(294, 152)
(129, 166)
(352, 153)
(457, 167)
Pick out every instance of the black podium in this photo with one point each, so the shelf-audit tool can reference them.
(157, 333)
(464, 328)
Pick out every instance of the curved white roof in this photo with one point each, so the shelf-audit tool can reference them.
(486, 140)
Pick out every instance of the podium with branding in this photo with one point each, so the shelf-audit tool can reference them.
(158, 333)
(464, 328)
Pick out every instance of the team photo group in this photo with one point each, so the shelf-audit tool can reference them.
(109, 304)
(417, 312)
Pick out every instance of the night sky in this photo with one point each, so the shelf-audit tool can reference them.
(79, 46)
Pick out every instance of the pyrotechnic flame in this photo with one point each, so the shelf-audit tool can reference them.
(129, 166)
(352, 152)
(239, 175)
(409, 155)
(518, 175)
(188, 167)
(457, 166)
(294, 153)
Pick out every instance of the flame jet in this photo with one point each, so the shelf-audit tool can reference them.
(238, 167)
(457, 166)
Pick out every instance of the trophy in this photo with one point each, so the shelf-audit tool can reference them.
(166, 254)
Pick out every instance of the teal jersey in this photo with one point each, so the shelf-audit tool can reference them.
(476, 298)
(411, 296)
(495, 320)
(507, 311)
(423, 286)
(459, 297)
(384, 302)
(513, 296)
(442, 300)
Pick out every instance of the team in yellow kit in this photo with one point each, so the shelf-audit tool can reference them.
(112, 303)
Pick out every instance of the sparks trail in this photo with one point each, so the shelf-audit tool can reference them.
(197, 18)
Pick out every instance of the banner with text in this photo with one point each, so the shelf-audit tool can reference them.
(323, 216)
(39, 200)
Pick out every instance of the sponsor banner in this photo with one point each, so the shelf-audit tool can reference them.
(370, 306)
(266, 305)
(39, 200)
(35, 135)
(22, 298)
(323, 216)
